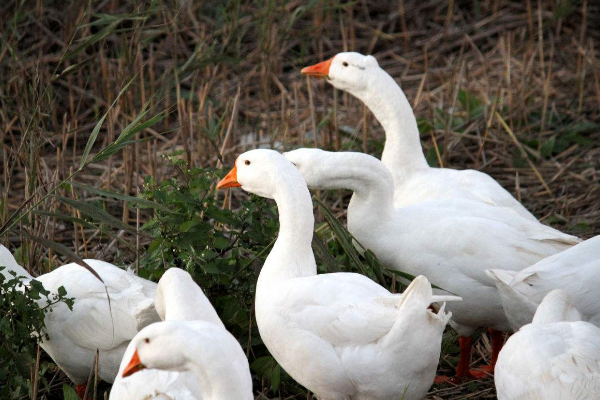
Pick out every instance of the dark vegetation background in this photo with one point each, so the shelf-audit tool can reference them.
(116, 118)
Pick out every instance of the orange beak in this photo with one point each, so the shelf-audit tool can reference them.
(320, 70)
(134, 365)
(230, 180)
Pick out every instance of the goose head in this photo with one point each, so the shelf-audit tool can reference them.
(201, 348)
(557, 306)
(262, 172)
(351, 72)
(160, 346)
(310, 164)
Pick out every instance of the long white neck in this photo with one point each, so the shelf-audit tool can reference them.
(179, 298)
(291, 256)
(367, 177)
(8, 261)
(402, 153)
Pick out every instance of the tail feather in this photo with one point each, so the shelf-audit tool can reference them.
(419, 295)
(440, 315)
(518, 307)
(443, 298)
(418, 292)
(413, 309)
(501, 276)
(520, 277)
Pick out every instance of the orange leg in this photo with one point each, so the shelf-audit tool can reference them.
(80, 390)
(462, 370)
(487, 370)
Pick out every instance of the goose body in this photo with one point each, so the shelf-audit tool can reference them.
(341, 335)
(557, 356)
(7, 260)
(181, 303)
(452, 242)
(575, 270)
(414, 180)
(75, 335)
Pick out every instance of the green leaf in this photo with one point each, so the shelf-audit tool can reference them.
(187, 225)
(96, 213)
(325, 120)
(95, 38)
(135, 126)
(342, 235)
(131, 199)
(113, 148)
(432, 158)
(374, 264)
(92, 139)
(86, 224)
(221, 243)
(126, 135)
(404, 275)
(268, 368)
(96, 130)
(275, 378)
(547, 148)
(322, 253)
(470, 103)
(69, 393)
(64, 217)
(63, 250)
(424, 126)
(581, 226)
(410, 278)
(518, 160)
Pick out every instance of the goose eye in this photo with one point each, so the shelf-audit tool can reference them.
(247, 162)
(147, 340)
(345, 64)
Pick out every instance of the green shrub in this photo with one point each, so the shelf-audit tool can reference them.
(223, 250)
(22, 311)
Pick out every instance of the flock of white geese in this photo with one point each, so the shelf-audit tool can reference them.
(341, 335)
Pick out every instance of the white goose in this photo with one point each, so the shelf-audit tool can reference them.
(576, 270)
(211, 353)
(191, 356)
(452, 242)
(177, 298)
(341, 335)
(414, 180)
(75, 335)
(557, 356)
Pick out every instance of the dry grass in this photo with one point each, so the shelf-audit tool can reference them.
(533, 65)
